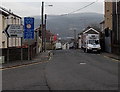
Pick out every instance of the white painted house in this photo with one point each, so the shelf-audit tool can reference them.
(6, 18)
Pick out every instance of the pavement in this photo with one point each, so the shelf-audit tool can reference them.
(41, 57)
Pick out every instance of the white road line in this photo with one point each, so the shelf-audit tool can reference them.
(82, 63)
(112, 59)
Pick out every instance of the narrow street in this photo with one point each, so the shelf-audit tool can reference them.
(76, 70)
(67, 70)
(64, 45)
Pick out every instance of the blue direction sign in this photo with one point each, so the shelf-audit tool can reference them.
(28, 28)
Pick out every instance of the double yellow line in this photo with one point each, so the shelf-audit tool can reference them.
(23, 65)
(19, 66)
(112, 59)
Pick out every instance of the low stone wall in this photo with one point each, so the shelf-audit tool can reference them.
(50, 46)
(15, 53)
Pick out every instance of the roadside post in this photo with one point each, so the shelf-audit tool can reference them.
(7, 49)
(28, 31)
(21, 49)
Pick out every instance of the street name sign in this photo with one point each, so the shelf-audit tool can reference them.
(28, 28)
(14, 30)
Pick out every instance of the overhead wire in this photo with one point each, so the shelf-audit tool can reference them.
(79, 8)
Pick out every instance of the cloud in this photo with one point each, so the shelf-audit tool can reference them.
(34, 8)
(22, 9)
(51, 0)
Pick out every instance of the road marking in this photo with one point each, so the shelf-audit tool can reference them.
(82, 63)
(112, 59)
(19, 66)
(116, 60)
(106, 57)
(24, 65)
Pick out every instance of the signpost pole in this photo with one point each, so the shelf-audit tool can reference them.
(28, 31)
(7, 49)
(21, 49)
(42, 30)
(28, 49)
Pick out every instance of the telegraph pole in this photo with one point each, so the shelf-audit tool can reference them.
(42, 27)
(75, 38)
(42, 30)
(45, 32)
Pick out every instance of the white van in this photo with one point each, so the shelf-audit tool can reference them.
(58, 46)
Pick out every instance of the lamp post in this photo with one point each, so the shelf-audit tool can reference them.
(75, 38)
(43, 29)
(45, 32)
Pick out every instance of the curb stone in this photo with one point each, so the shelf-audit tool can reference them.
(32, 62)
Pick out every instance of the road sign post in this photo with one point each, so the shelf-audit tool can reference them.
(7, 49)
(28, 31)
(21, 49)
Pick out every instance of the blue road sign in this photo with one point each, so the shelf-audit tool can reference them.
(28, 28)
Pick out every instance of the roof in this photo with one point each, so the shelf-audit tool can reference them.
(88, 29)
(9, 12)
(15, 15)
(102, 22)
(4, 13)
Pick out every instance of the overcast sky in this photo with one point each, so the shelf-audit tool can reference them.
(33, 8)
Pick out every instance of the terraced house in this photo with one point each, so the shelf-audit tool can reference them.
(116, 28)
(6, 18)
(112, 27)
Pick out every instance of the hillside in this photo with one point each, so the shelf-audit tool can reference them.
(63, 25)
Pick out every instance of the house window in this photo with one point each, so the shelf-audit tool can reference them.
(107, 10)
(18, 21)
(11, 20)
(3, 22)
(3, 44)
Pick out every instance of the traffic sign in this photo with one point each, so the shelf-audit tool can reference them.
(14, 30)
(28, 28)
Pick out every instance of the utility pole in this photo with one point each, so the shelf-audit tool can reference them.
(74, 38)
(45, 31)
(42, 30)
(42, 27)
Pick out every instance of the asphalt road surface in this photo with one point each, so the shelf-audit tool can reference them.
(76, 70)
(25, 78)
(67, 70)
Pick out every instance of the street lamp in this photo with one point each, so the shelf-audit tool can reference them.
(75, 38)
(42, 11)
(45, 31)
(42, 27)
